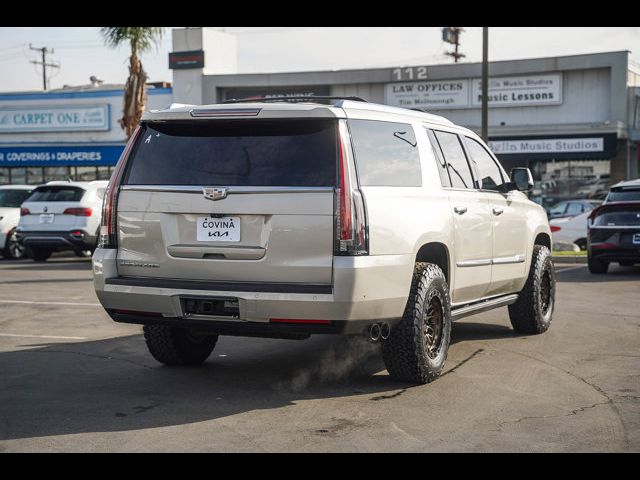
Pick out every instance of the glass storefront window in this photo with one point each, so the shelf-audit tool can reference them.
(559, 180)
(57, 174)
(18, 176)
(86, 174)
(4, 176)
(104, 173)
(34, 175)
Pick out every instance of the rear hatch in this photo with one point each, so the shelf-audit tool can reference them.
(617, 222)
(45, 208)
(243, 200)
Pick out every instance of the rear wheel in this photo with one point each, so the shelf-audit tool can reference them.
(178, 346)
(533, 310)
(39, 254)
(598, 266)
(417, 349)
(13, 249)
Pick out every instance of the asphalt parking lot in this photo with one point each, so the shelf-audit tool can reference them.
(73, 380)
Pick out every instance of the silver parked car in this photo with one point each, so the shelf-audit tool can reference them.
(284, 220)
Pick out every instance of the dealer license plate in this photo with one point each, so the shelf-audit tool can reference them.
(218, 229)
(46, 218)
(636, 238)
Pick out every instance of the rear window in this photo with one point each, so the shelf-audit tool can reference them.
(298, 153)
(624, 196)
(619, 218)
(13, 198)
(61, 193)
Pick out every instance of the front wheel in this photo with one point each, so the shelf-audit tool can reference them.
(178, 346)
(13, 249)
(533, 310)
(417, 349)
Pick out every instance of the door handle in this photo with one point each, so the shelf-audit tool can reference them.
(460, 210)
(497, 211)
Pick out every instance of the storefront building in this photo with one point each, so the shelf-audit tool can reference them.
(70, 133)
(573, 119)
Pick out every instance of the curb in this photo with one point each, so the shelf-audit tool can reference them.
(569, 259)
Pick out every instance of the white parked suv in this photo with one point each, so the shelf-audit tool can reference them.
(11, 197)
(61, 216)
(283, 220)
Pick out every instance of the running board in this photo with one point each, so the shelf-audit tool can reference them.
(482, 306)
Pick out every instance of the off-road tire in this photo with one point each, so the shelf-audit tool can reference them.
(533, 311)
(178, 346)
(597, 266)
(406, 353)
(39, 254)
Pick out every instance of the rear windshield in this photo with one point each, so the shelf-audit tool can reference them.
(621, 218)
(299, 153)
(13, 198)
(60, 193)
(624, 196)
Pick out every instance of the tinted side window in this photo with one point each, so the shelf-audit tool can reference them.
(574, 209)
(459, 170)
(386, 153)
(488, 171)
(442, 165)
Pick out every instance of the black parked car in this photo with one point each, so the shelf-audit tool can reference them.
(614, 228)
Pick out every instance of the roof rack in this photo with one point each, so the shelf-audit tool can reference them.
(292, 99)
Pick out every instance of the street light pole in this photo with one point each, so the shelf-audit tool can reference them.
(485, 82)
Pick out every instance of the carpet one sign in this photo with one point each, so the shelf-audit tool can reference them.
(467, 93)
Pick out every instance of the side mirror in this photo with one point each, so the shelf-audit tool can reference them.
(522, 179)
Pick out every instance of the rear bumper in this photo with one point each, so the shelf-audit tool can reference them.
(57, 240)
(365, 289)
(614, 245)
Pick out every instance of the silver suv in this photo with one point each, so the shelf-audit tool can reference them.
(284, 220)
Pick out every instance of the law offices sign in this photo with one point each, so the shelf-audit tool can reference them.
(524, 90)
(432, 94)
(85, 118)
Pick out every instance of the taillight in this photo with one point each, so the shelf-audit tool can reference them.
(78, 212)
(108, 223)
(24, 211)
(555, 228)
(351, 222)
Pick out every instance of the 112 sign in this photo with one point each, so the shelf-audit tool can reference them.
(410, 73)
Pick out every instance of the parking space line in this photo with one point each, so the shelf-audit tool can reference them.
(30, 302)
(41, 336)
(570, 268)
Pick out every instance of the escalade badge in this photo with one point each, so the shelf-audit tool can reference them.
(211, 193)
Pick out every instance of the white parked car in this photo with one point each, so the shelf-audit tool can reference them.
(11, 197)
(61, 216)
(570, 230)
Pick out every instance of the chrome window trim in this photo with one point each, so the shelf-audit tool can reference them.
(230, 190)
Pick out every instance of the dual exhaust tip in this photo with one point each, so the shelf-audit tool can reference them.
(379, 331)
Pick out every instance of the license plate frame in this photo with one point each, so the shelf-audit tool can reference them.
(218, 229)
(47, 218)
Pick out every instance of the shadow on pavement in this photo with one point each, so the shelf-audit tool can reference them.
(49, 265)
(616, 273)
(114, 385)
(464, 331)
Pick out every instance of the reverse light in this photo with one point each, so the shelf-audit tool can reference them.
(109, 204)
(78, 212)
(24, 211)
(351, 221)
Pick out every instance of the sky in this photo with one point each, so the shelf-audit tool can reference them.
(81, 53)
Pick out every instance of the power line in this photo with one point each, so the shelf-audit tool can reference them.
(44, 51)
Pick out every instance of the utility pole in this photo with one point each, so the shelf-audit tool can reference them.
(452, 35)
(485, 83)
(44, 51)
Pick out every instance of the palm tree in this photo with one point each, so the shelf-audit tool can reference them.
(140, 39)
